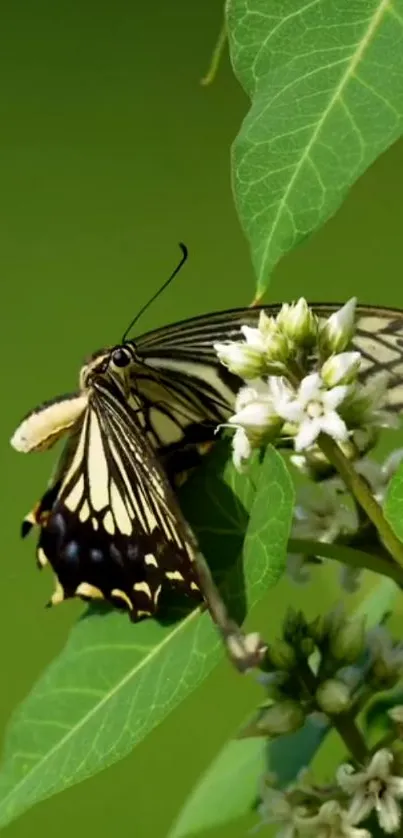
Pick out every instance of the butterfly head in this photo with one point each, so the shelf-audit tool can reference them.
(115, 361)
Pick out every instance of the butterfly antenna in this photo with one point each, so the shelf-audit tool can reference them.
(160, 290)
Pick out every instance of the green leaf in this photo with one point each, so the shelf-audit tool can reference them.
(393, 504)
(325, 81)
(226, 791)
(229, 789)
(270, 516)
(114, 682)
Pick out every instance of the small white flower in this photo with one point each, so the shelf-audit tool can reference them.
(350, 578)
(284, 716)
(378, 475)
(242, 359)
(332, 822)
(341, 369)
(387, 656)
(298, 322)
(255, 420)
(323, 512)
(255, 412)
(337, 331)
(313, 409)
(375, 788)
(241, 448)
(297, 568)
(254, 338)
(277, 809)
(396, 714)
(365, 405)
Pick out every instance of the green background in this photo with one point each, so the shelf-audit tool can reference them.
(112, 152)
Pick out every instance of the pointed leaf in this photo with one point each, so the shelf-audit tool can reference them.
(226, 791)
(325, 81)
(270, 515)
(393, 504)
(114, 682)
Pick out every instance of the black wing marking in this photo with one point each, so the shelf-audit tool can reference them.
(110, 525)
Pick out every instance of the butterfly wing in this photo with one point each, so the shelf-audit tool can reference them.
(110, 524)
(186, 391)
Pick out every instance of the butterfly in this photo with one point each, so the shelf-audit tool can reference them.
(146, 410)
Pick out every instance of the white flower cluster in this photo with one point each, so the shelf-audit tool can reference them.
(326, 511)
(357, 794)
(300, 381)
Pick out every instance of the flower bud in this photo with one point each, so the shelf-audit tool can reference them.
(282, 655)
(266, 325)
(298, 322)
(294, 625)
(259, 421)
(241, 359)
(336, 333)
(277, 350)
(341, 369)
(306, 646)
(348, 641)
(396, 714)
(365, 405)
(241, 448)
(282, 717)
(333, 697)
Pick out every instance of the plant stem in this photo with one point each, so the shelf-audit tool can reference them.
(344, 723)
(351, 735)
(348, 556)
(216, 56)
(360, 490)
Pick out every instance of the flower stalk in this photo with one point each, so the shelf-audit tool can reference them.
(349, 556)
(361, 491)
(343, 722)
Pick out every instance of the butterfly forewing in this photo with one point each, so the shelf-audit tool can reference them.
(114, 530)
(186, 349)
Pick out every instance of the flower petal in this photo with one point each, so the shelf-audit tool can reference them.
(332, 424)
(253, 337)
(309, 429)
(395, 786)
(334, 397)
(291, 411)
(361, 806)
(253, 415)
(380, 765)
(241, 448)
(310, 388)
(388, 812)
(348, 779)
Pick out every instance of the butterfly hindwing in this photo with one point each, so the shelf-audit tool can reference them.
(114, 530)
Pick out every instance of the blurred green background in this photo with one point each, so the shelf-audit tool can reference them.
(112, 152)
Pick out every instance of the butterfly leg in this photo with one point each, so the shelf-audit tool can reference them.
(245, 651)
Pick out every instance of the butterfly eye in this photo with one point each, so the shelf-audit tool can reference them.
(121, 357)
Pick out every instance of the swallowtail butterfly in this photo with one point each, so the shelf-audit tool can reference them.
(110, 524)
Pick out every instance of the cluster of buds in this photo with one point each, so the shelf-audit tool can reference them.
(327, 669)
(320, 667)
(301, 380)
(326, 512)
